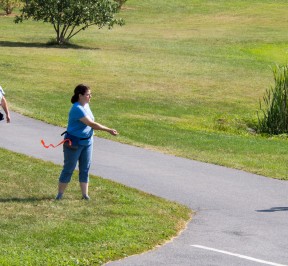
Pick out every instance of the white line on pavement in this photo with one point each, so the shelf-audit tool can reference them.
(238, 255)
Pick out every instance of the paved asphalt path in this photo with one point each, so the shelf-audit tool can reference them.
(241, 218)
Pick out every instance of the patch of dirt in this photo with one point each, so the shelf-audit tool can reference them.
(2, 14)
(127, 8)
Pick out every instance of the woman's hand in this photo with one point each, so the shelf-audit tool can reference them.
(113, 132)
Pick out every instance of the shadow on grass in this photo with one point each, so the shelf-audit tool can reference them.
(274, 209)
(25, 200)
(44, 45)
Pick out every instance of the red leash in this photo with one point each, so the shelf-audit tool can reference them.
(51, 145)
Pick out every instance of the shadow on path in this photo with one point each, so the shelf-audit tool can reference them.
(43, 45)
(274, 209)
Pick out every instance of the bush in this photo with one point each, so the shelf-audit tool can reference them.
(9, 5)
(274, 114)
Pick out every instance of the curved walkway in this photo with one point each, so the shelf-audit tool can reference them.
(241, 218)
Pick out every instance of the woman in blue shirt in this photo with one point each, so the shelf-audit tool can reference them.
(80, 130)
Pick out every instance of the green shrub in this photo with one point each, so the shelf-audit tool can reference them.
(274, 118)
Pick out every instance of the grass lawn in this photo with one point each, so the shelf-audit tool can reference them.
(182, 77)
(116, 222)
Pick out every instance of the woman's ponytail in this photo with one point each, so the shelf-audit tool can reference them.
(80, 89)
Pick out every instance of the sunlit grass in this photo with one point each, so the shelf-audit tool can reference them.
(116, 222)
(193, 69)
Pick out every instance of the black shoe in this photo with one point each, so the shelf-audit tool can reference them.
(85, 197)
(59, 196)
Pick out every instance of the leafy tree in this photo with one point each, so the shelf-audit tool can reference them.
(69, 17)
(9, 5)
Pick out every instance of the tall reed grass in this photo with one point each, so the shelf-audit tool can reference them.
(273, 117)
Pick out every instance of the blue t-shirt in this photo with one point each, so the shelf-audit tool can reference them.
(76, 127)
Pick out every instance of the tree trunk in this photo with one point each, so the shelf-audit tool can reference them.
(8, 10)
(61, 39)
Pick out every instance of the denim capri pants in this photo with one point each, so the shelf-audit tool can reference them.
(83, 155)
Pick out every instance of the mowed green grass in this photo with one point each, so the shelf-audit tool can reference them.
(182, 77)
(116, 222)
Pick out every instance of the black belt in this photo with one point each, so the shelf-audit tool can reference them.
(72, 135)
